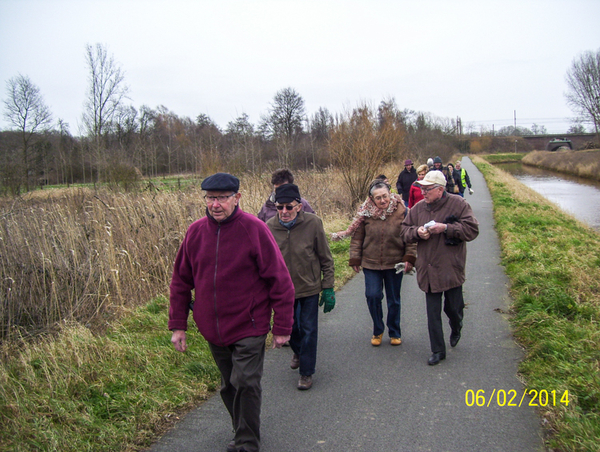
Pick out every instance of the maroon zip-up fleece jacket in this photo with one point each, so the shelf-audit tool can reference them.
(239, 277)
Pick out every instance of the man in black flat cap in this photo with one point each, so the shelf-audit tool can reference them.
(240, 279)
(303, 243)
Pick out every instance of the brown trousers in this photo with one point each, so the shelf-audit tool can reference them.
(241, 366)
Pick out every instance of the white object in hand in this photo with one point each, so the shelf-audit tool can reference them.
(429, 224)
(400, 267)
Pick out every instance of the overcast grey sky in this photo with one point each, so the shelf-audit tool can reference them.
(479, 60)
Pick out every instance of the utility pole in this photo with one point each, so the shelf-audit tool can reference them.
(515, 121)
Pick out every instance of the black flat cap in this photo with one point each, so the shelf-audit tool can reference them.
(287, 193)
(221, 182)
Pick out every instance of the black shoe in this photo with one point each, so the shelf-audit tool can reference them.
(454, 338)
(436, 358)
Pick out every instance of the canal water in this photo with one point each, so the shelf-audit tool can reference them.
(576, 195)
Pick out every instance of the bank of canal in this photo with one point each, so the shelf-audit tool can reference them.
(576, 195)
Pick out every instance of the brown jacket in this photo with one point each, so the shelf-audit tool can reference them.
(378, 245)
(441, 267)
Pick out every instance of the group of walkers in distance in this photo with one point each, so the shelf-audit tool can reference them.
(249, 272)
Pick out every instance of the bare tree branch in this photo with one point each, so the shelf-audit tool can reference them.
(26, 110)
(583, 81)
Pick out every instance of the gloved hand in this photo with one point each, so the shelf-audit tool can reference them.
(470, 191)
(327, 299)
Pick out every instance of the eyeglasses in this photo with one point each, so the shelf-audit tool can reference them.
(427, 190)
(287, 207)
(220, 198)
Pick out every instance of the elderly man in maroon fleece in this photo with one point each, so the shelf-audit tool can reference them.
(234, 264)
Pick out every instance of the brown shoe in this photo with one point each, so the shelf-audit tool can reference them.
(295, 362)
(395, 341)
(305, 382)
(376, 340)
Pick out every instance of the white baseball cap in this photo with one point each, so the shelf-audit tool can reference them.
(432, 178)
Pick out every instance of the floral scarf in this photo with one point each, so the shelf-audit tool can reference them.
(368, 209)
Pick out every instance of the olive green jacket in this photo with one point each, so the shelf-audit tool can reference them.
(306, 253)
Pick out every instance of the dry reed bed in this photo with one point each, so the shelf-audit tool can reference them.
(83, 255)
(580, 163)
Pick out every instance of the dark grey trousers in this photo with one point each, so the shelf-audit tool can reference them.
(241, 366)
(453, 307)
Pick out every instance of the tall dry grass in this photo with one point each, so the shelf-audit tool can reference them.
(83, 255)
(80, 255)
(580, 163)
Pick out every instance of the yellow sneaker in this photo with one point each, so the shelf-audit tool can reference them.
(376, 340)
(395, 341)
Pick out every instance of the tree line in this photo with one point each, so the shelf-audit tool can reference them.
(121, 143)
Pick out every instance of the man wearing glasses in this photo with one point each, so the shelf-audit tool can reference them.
(302, 240)
(239, 276)
(441, 226)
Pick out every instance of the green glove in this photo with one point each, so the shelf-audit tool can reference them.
(327, 299)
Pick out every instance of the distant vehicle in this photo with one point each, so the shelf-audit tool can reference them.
(559, 144)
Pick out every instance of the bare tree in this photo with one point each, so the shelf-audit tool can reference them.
(125, 127)
(359, 145)
(65, 157)
(209, 144)
(285, 120)
(319, 129)
(583, 81)
(538, 130)
(26, 110)
(240, 137)
(106, 91)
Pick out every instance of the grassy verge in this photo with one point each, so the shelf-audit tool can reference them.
(79, 391)
(553, 262)
(503, 158)
(117, 391)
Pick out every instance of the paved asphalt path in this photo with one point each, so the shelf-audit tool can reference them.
(386, 398)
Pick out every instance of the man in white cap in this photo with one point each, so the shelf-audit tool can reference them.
(441, 226)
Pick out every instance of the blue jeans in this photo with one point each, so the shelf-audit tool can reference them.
(375, 280)
(303, 340)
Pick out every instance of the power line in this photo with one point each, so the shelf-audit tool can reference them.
(564, 119)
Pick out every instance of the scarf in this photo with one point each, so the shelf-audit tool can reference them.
(369, 209)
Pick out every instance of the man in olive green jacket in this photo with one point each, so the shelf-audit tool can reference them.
(303, 243)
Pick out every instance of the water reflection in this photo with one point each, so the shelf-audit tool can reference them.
(576, 195)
